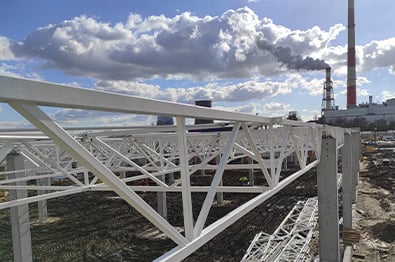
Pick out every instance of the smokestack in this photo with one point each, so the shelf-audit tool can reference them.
(351, 72)
(203, 103)
(328, 74)
(329, 97)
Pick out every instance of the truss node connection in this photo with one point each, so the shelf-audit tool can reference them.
(127, 160)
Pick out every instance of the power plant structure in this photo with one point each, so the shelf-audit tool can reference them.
(328, 99)
(368, 115)
(146, 166)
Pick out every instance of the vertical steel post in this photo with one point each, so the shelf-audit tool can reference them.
(161, 196)
(185, 179)
(220, 195)
(328, 209)
(20, 221)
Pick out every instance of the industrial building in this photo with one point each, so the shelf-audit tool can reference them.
(368, 115)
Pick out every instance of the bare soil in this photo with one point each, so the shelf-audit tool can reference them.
(375, 216)
(99, 226)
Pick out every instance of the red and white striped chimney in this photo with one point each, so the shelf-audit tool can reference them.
(351, 71)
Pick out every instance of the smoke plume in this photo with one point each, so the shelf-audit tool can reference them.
(289, 59)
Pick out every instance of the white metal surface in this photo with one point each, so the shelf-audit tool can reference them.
(290, 241)
(145, 154)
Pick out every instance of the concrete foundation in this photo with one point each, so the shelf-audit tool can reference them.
(42, 204)
(348, 180)
(328, 207)
(20, 221)
(162, 201)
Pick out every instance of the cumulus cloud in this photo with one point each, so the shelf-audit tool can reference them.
(5, 49)
(183, 46)
(378, 54)
(77, 117)
(251, 108)
(387, 95)
(238, 92)
(14, 124)
(7, 69)
(274, 106)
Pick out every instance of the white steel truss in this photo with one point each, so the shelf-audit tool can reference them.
(290, 241)
(108, 158)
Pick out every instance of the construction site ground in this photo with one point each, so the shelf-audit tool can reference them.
(99, 226)
(374, 216)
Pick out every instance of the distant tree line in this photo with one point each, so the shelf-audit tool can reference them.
(362, 123)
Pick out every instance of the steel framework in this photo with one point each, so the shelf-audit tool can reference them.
(290, 241)
(97, 159)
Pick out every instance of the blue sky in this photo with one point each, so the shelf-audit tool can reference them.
(261, 56)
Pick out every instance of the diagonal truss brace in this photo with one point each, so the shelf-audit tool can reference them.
(215, 182)
(130, 162)
(37, 117)
(257, 155)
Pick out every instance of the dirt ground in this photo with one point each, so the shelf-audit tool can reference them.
(98, 226)
(375, 208)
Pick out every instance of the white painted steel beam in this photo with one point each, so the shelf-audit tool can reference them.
(58, 135)
(201, 220)
(128, 161)
(179, 253)
(57, 95)
(154, 152)
(185, 178)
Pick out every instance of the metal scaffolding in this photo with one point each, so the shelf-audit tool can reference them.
(290, 241)
(127, 160)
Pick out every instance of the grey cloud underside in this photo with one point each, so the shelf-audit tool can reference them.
(240, 92)
(226, 46)
(292, 61)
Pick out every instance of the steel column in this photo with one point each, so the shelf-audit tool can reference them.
(185, 179)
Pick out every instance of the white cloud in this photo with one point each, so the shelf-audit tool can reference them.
(274, 106)
(77, 117)
(7, 69)
(14, 124)
(387, 95)
(5, 49)
(130, 88)
(239, 92)
(250, 108)
(183, 46)
(378, 54)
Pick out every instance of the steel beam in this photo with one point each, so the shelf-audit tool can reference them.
(201, 220)
(63, 139)
(57, 95)
(185, 178)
